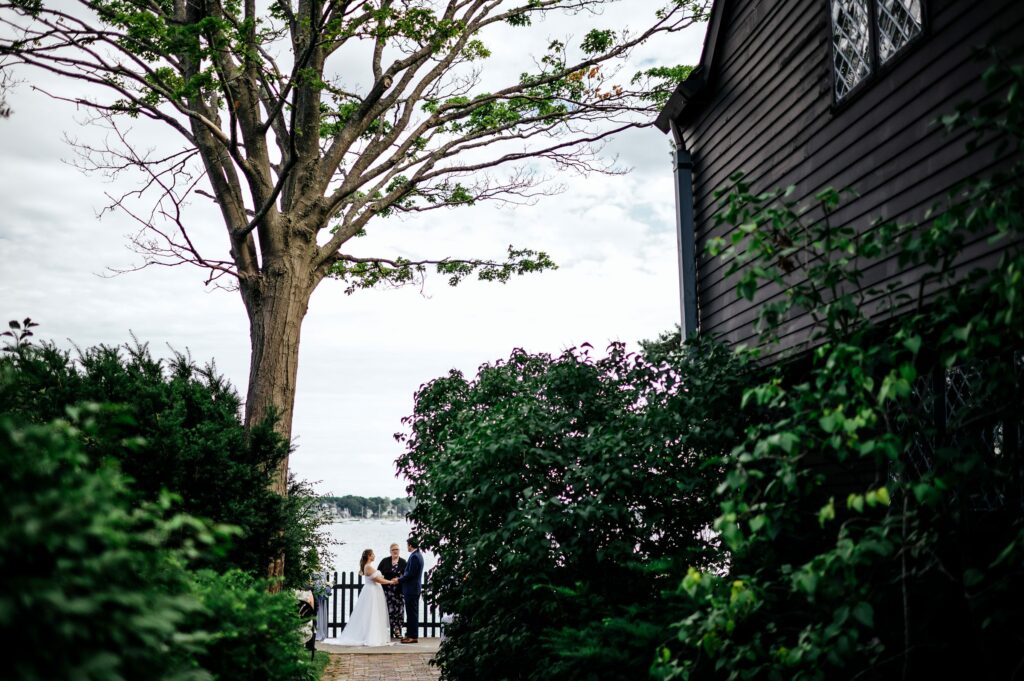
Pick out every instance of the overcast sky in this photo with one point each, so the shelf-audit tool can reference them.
(362, 355)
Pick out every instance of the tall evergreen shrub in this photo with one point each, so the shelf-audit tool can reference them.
(175, 426)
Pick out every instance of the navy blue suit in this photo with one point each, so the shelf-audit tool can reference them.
(412, 585)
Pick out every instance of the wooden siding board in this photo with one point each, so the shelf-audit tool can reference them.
(758, 96)
(831, 136)
(728, 316)
(976, 255)
(878, 181)
(753, 22)
(772, 122)
(787, 156)
(788, 115)
(925, 168)
(797, 330)
(943, 82)
(907, 202)
(739, 31)
(764, 67)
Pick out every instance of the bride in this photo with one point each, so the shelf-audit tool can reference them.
(368, 625)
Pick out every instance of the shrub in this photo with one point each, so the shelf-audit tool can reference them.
(176, 426)
(90, 587)
(873, 514)
(256, 636)
(867, 493)
(96, 584)
(558, 494)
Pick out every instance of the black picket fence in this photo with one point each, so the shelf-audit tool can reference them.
(346, 588)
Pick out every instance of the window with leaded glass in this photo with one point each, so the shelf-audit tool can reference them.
(851, 43)
(899, 22)
(866, 34)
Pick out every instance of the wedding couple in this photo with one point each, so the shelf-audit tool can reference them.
(369, 624)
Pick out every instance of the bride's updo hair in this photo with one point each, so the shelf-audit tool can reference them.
(364, 560)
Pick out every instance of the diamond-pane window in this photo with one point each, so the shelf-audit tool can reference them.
(851, 44)
(899, 22)
(866, 34)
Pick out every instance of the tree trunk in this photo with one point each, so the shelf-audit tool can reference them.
(276, 303)
(276, 310)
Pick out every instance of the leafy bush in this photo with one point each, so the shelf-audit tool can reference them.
(558, 493)
(176, 427)
(869, 528)
(90, 588)
(306, 538)
(256, 634)
(96, 584)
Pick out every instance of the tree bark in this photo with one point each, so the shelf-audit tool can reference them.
(276, 303)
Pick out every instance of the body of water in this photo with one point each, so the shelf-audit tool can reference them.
(357, 535)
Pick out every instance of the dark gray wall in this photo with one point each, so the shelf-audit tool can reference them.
(770, 114)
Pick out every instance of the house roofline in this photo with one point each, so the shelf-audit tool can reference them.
(689, 91)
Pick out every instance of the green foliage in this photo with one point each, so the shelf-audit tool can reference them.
(659, 82)
(92, 586)
(19, 333)
(559, 493)
(398, 272)
(475, 50)
(256, 635)
(869, 538)
(101, 580)
(238, 79)
(99, 566)
(305, 540)
(832, 516)
(28, 6)
(175, 426)
(597, 41)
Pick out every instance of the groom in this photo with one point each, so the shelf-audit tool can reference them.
(412, 584)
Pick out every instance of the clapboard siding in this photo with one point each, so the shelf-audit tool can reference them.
(832, 150)
(930, 170)
(826, 153)
(976, 254)
(759, 103)
(769, 114)
(738, 314)
(830, 135)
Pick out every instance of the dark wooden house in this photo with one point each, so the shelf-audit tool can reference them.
(826, 93)
(846, 94)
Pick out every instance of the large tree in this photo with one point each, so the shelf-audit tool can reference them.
(306, 119)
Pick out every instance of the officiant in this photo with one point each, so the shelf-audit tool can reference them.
(394, 566)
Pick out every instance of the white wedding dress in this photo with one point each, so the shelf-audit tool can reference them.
(368, 624)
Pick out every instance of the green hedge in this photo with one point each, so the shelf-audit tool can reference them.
(90, 587)
(254, 635)
(100, 572)
(173, 425)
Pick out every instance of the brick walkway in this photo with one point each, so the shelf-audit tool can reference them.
(405, 663)
(354, 667)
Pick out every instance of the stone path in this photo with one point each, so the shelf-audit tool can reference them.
(407, 662)
(352, 667)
